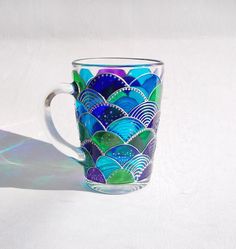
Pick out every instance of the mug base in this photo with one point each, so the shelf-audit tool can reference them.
(116, 189)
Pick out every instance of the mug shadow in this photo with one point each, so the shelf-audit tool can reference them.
(28, 163)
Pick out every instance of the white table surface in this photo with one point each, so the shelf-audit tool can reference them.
(190, 202)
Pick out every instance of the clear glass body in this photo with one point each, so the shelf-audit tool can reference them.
(118, 111)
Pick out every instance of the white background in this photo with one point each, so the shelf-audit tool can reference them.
(190, 202)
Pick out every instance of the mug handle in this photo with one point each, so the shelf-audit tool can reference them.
(60, 143)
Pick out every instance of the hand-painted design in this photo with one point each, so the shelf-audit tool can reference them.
(118, 115)
(154, 122)
(156, 94)
(86, 75)
(150, 148)
(78, 80)
(122, 153)
(116, 71)
(106, 140)
(107, 113)
(146, 173)
(88, 162)
(84, 134)
(120, 176)
(92, 148)
(107, 165)
(80, 108)
(91, 98)
(146, 83)
(91, 123)
(125, 127)
(141, 139)
(136, 72)
(144, 112)
(127, 98)
(106, 84)
(137, 165)
(94, 174)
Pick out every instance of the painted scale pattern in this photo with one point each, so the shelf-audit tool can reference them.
(118, 116)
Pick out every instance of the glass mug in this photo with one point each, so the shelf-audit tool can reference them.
(117, 108)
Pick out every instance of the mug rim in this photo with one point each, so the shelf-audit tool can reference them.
(140, 62)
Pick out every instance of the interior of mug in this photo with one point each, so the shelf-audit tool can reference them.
(116, 62)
